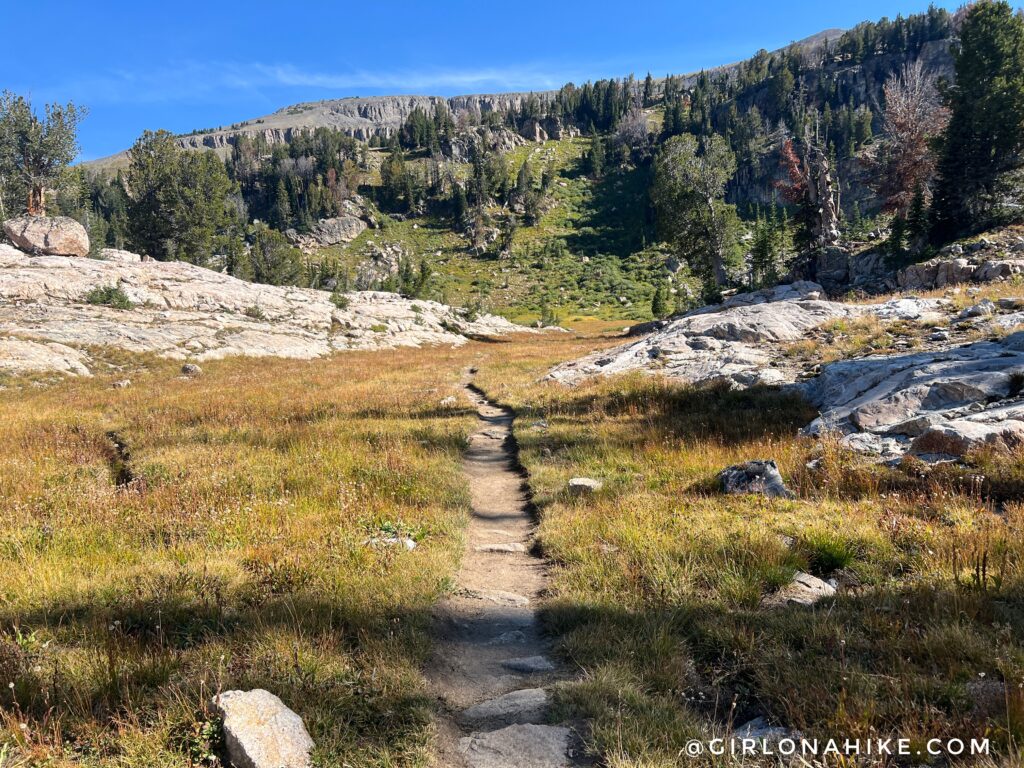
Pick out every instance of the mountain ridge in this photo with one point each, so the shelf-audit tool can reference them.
(365, 117)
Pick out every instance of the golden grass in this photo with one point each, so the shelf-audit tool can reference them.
(234, 556)
(658, 579)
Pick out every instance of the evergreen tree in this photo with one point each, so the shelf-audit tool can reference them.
(282, 207)
(659, 304)
(984, 141)
(34, 151)
(178, 200)
(896, 245)
(917, 218)
(595, 157)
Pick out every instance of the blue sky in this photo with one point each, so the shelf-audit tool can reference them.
(181, 66)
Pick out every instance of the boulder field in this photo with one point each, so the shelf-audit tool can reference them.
(937, 402)
(50, 315)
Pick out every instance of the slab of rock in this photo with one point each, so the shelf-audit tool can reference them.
(914, 393)
(523, 706)
(115, 254)
(518, 746)
(186, 312)
(804, 590)
(735, 341)
(261, 732)
(758, 477)
(529, 664)
(959, 436)
(584, 486)
(21, 356)
(327, 232)
(48, 235)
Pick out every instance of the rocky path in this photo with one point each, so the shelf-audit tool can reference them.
(491, 670)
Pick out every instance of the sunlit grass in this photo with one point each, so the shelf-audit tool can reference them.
(658, 579)
(234, 555)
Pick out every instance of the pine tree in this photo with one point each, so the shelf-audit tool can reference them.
(659, 304)
(282, 214)
(648, 93)
(984, 142)
(917, 217)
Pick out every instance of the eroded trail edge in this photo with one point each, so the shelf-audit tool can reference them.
(491, 671)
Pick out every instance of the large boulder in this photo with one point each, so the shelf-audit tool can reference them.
(261, 732)
(327, 232)
(48, 235)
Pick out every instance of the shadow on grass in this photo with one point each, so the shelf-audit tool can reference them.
(617, 220)
(695, 413)
(913, 661)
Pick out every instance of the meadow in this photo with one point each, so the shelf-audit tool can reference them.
(180, 536)
(658, 580)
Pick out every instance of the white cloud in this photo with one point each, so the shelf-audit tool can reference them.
(191, 82)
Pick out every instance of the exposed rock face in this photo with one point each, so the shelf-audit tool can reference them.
(947, 401)
(758, 477)
(326, 232)
(731, 341)
(19, 355)
(261, 732)
(838, 269)
(940, 272)
(187, 312)
(113, 254)
(48, 235)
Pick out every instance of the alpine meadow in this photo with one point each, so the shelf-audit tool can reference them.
(644, 421)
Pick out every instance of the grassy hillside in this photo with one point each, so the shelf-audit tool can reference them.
(585, 258)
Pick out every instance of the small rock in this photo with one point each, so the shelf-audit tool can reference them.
(122, 384)
(760, 477)
(760, 730)
(391, 541)
(261, 732)
(191, 369)
(529, 664)
(584, 486)
(449, 402)
(501, 597)
(521, 706)
(510, 547)
(804, 590)
(981, 309)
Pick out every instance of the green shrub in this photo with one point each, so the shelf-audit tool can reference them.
(827, 552)
(108, 296)
(254, 312)
(340, 300)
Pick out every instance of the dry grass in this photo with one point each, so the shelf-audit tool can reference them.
(231, 554)
(658, 579)
(234, 556)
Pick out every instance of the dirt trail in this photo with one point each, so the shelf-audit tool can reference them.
(491, 669)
